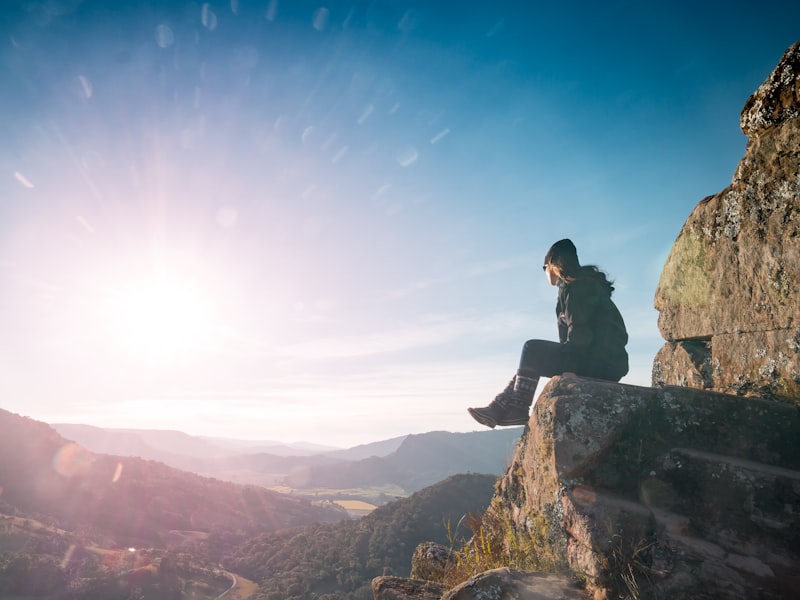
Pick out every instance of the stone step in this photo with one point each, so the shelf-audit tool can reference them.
(754, 429)
(658, 542)
(721, 495)
(747, 572)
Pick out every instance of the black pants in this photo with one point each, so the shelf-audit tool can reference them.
(543, 358)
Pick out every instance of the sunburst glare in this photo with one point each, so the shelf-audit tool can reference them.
(160, 317)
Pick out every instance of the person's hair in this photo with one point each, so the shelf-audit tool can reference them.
(563, 260)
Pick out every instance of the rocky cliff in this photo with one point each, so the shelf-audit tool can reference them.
(728, 295)
(659, 492)
(689, 489)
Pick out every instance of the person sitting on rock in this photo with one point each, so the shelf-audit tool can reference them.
(590, 329)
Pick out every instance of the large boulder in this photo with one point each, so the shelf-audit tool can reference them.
(662, 492)
(729, 292)
(495, 584)
(399, 588)
(508, 583)
(431, 562)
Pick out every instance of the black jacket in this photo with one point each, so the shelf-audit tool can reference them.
(591, 328)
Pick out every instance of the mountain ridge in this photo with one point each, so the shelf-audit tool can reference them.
(408, 463)
(161, 529)
(176, 442)
(133, 499)
(420, 460)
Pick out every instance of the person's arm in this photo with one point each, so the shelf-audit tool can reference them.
(563, 328)
(580, 304)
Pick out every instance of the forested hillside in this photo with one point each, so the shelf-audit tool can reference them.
(133, 501)
(337, 561)
(126, 524)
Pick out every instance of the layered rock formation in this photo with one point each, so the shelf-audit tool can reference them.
(688, 490)
(729, 294)
(660, 492)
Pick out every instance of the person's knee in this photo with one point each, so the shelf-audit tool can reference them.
(531, 353)
(544, 358)
(535, 347)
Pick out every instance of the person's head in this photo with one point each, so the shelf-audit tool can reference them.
(561, 261)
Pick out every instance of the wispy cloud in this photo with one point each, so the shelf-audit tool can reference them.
(380, 402)
(521, 262)
(432, 330)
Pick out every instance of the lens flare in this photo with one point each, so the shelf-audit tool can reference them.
(72, 460)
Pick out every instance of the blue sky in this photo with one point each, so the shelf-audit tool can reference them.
(326, 221)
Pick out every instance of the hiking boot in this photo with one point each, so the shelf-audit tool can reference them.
(510, 407)
(495, 413)
(484, 416)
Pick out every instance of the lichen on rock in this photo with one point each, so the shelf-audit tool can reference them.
(732, 278)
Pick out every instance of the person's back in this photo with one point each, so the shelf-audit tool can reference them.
(591, 326)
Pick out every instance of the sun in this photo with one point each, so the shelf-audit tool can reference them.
(161, 317)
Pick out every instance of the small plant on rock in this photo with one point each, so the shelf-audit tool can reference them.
(493, 543)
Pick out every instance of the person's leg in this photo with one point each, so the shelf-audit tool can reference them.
(540, 358)
(543, 358)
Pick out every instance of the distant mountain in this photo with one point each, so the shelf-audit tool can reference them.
(130, 499)
(167, 445)
(129, 442)
(270, 447)
(420, 460)
(61, 494)
(238, 461)
(343, 558)
(408, 463)
(382, 448)
(268, 466)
